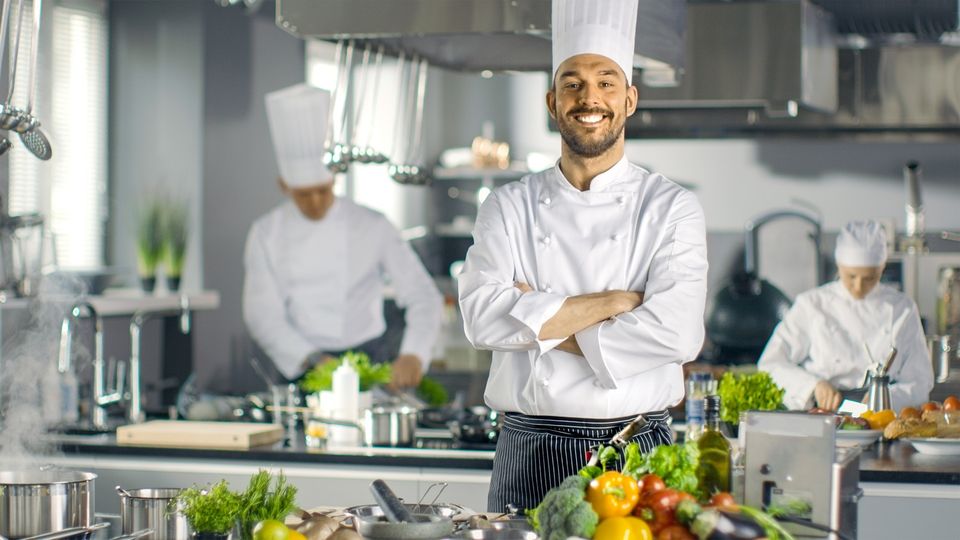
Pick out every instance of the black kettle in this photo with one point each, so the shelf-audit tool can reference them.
(745, 312)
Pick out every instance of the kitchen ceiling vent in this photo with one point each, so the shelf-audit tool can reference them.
(927, 20)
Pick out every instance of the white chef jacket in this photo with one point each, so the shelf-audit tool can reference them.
(824, 336)
(632, 230)
(318, 285)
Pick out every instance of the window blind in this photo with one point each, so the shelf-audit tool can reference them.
(70, 190)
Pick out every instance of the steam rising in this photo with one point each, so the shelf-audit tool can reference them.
(29, 380)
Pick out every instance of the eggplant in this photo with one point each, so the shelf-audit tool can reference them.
(717, 524)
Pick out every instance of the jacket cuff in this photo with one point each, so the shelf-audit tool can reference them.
(535, 308)
(589, 341)
(799, 395)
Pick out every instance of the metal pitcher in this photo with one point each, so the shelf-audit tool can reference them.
(878, 392)
(942, 351)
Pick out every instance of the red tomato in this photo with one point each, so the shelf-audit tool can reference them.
(650, 483)
(951, 404)
(657, 508)
(930, 406)
(675, 532)
(722, 500)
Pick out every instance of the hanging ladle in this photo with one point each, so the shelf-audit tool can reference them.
(4, 142)
(354, 152)
(411, 172)
(29, 127)
(366, 153)
(337, 157)
(10, 115)
(400, 171)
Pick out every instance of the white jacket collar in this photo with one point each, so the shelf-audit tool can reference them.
(607, 178)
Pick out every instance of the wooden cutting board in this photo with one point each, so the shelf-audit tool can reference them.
(189, 434)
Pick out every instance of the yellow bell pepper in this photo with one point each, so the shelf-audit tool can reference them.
(613, 494)
(623, 528)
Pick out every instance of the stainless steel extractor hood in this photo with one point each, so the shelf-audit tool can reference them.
(778, 57)
(477, 35)
(796, 68)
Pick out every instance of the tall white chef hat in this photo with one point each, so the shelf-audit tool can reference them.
(604, 27)
(861, 244)
(298, 118)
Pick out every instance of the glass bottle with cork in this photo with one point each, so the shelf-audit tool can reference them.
(715, 451)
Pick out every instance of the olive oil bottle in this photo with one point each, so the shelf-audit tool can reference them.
(715, 451)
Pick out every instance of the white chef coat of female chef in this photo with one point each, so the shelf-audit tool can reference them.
(632, 230)
(826, 333)
(317, 284)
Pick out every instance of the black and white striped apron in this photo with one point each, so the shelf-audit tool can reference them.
(535, 453)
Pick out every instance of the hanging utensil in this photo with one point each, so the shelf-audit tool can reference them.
(4, 19)
(368, 153)
(29, 127)
(337, 159)
(407, 172)
(357, 106)
(398, 157)
(10, 116)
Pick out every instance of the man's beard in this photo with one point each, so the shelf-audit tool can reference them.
(589, 148)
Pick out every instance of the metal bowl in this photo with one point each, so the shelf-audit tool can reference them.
(423, 527)
(373, 511)
(496, 534)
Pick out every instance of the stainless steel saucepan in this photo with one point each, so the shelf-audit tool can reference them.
(149, 508)
(35, 502)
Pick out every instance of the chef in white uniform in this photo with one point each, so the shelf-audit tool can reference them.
(820, 347)
(316, 265)
(587, 280)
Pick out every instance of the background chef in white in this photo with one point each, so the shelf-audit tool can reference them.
(820, 347)
(316, 264)
(587, 280)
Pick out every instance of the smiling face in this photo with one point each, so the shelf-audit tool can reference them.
(590, 101)
(859, 280)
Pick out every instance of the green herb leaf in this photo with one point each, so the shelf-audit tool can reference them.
(747, 392)
(212, 510)
(320, 377)
(260, 503)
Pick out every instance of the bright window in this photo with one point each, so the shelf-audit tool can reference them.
(70, 190)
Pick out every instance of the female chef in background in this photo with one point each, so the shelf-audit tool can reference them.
(316, 265)
(820, 347)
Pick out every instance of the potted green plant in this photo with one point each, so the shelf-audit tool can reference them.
(149, 243)
(212, 512)
(176, 229)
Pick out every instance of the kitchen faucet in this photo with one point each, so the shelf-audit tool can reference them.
(101, 398)
(135, 412)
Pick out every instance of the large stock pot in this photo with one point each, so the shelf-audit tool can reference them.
(43, 501)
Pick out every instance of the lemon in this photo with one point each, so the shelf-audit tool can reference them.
(270, 529)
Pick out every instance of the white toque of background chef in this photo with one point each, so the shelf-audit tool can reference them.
(316, 264)
(821, 345)
(587, 280)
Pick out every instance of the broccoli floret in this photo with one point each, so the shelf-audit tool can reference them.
(563, 512)
(575, 482)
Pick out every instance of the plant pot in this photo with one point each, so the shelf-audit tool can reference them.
(173, 283)
(148, 283)
(209, 536)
